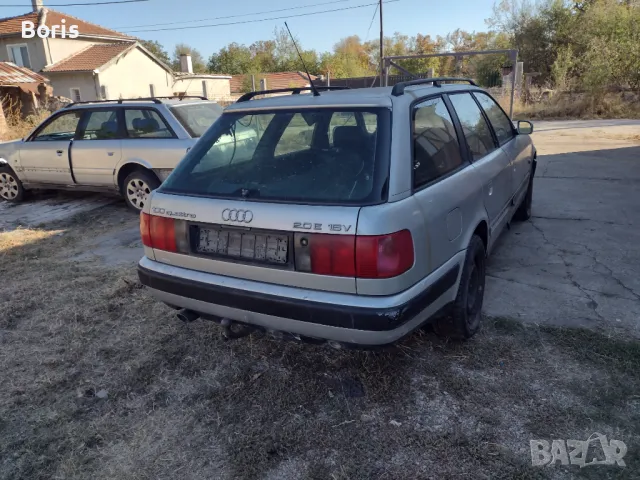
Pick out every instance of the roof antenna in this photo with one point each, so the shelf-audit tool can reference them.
(316, 93)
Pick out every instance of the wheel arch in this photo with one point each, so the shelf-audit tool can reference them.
(126, 168)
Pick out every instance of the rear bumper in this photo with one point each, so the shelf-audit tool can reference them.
(329, 316)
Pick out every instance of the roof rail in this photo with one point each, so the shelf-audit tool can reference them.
(294, 90)
(180, 97)
(398, 88)
(154, 100)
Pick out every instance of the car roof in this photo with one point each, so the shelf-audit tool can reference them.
(357, 97)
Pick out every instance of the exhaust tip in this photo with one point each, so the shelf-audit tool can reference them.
(187, 316)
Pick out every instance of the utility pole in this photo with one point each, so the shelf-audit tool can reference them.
(381, 49)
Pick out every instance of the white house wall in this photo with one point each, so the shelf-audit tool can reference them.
(131, 76)
(218, 88)
(62, 84)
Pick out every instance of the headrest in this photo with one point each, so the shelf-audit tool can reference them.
(145, 124)
(108, 129)
(350, 137)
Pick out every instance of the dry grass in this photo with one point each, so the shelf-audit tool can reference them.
(182, 403)
(19, 127)
(565, 106)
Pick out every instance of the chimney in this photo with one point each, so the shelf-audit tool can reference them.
(36, 4)
(185, 62)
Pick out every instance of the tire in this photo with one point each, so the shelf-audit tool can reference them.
(465, 315)
(137, 188)
(11, 189)
(523, 213)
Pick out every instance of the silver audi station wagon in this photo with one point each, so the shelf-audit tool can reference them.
(348, 216)
(122, 146)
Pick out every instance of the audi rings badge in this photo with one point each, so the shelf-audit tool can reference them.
(233, 215)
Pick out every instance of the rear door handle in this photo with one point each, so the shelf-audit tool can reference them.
(110, 154)
(59, 152)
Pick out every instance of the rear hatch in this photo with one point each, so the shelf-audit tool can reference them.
(274, 196)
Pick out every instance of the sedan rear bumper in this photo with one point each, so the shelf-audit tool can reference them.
(329, 316)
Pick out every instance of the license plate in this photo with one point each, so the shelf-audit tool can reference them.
(251, 246)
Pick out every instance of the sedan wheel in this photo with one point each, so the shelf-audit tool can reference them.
(10, 187)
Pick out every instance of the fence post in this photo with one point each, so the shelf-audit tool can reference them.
(514, 61)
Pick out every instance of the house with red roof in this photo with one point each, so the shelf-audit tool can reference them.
(98, 63)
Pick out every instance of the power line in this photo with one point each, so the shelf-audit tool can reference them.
(370, 24)
(235, 16)
(257, 20)
(91, 4)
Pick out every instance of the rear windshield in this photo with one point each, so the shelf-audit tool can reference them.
(197, 117)
(324, 155)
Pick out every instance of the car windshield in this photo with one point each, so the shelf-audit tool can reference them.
(197, 117)
(324, 155)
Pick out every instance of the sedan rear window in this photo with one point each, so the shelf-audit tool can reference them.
(324, 155)
(197, 117)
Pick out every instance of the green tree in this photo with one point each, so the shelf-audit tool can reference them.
(234, 59)
(157, 49)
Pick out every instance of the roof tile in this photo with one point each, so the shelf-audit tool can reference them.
(13, 25)
(274, 80)
(89, 59)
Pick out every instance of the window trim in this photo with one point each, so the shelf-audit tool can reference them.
(513, 130)
(71, 89)
(49, 121)
(164, 120)
(84, 120)
(464, 152)
(10, 56)
(496, 144)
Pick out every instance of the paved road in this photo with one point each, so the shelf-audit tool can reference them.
(577, 262)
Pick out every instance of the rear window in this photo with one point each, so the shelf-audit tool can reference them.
(197, 117)
(325, 155)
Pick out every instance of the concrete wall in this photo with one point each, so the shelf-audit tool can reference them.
(35, 46)
(217, 88)
(131, 76)
(62, 84)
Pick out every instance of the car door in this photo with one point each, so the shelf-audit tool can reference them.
(518, 149)
(489, 160)
(44, 156)
(442, 189)
(149, 139)
(97, 148)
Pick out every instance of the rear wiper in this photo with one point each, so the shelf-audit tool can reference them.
(246, 192)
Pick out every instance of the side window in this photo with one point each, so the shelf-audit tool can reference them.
(498, 119)
(436, 150)
(101, 125)
(63, 127)
(145, 123)
(297, 137)
(475, 128)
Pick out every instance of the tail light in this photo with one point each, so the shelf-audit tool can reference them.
(384, 256)
(379, 256)
(163, 233)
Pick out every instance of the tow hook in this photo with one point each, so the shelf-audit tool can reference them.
(234, 330)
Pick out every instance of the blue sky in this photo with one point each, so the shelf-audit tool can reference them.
(319, 32)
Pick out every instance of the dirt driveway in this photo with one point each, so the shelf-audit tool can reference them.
(99, 381)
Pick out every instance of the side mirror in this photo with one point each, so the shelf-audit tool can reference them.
(525, 127)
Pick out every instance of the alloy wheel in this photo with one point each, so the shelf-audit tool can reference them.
(138, 193)
(8, 186)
